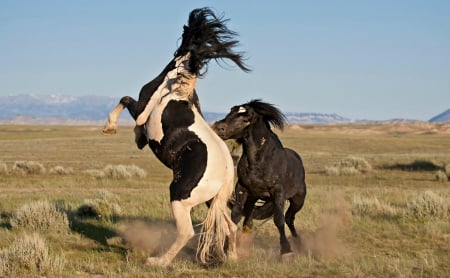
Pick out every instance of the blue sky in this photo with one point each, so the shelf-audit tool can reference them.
(361, 59)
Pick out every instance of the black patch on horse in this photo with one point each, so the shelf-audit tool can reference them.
(180, 149)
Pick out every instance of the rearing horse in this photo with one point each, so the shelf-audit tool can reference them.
(169, 120)
(266, 170)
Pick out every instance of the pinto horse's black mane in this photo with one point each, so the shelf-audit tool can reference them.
(206, 37)
(271, 115)
(211, 38)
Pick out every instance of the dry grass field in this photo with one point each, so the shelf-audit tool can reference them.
(75, 203)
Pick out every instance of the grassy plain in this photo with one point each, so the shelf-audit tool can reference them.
(351, 226)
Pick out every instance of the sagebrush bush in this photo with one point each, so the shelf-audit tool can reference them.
(104, 206)
(40, 216)
(428, 204)
(3, 168)
(98, 174)
(28, 167)
(29, 255)
(350, 165)
(371, 206)
(447, 169)
(60, 170)
(124, 171)
(441, 176)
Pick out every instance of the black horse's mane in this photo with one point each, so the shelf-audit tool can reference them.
(207, 37)
(271, 115)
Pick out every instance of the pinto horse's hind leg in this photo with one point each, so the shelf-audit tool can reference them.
(232, 255)
(185, 233)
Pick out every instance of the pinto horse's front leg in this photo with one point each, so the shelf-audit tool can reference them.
(111, 123)
(110, 128)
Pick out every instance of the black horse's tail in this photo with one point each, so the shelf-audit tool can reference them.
(206, 37)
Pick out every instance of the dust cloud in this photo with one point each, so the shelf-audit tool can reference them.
(149, 238)
(324, 241)
(321, 242)
(152, 238)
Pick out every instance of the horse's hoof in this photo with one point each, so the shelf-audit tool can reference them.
(246, 229)
(109, 131)
(155, 261)
(287, 257)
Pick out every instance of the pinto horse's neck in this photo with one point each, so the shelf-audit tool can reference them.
(259, 142)
(179, 81)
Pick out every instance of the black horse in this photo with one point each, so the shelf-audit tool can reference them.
(266, 170)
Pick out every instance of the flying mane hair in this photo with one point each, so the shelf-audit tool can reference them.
(207, 37)
(271, 114)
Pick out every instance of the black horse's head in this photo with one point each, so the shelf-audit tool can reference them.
(241, 117)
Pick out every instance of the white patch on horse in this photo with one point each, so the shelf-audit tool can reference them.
(242, 110)
(219, 170)
(151, 116)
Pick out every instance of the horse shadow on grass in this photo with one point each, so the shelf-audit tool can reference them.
(4, 222)
(138, 235)
(417, 165)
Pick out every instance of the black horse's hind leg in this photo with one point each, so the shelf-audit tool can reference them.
(295, 205)
(278, 218)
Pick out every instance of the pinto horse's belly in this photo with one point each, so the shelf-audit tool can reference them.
(171, 129)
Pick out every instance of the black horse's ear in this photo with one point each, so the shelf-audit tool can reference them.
(242, 110)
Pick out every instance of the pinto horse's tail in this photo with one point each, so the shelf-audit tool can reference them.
(217, 226)
(206, 37)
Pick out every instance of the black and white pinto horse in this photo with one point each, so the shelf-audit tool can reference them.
(169, 120)
(266, 170)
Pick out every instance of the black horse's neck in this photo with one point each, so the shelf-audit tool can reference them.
(259, 141)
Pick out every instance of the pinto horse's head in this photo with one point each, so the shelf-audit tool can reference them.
(241, 117)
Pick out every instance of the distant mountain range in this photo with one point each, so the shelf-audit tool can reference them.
(63, 109)
(443, 117)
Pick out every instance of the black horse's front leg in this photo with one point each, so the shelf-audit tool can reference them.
(240, 196)
(249, 206)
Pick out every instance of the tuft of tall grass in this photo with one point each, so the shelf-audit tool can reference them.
(105, 206)
(29, 255)
(40, 216)
(60, 170)
(428, 205)
(350, 165)
(28, 167)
